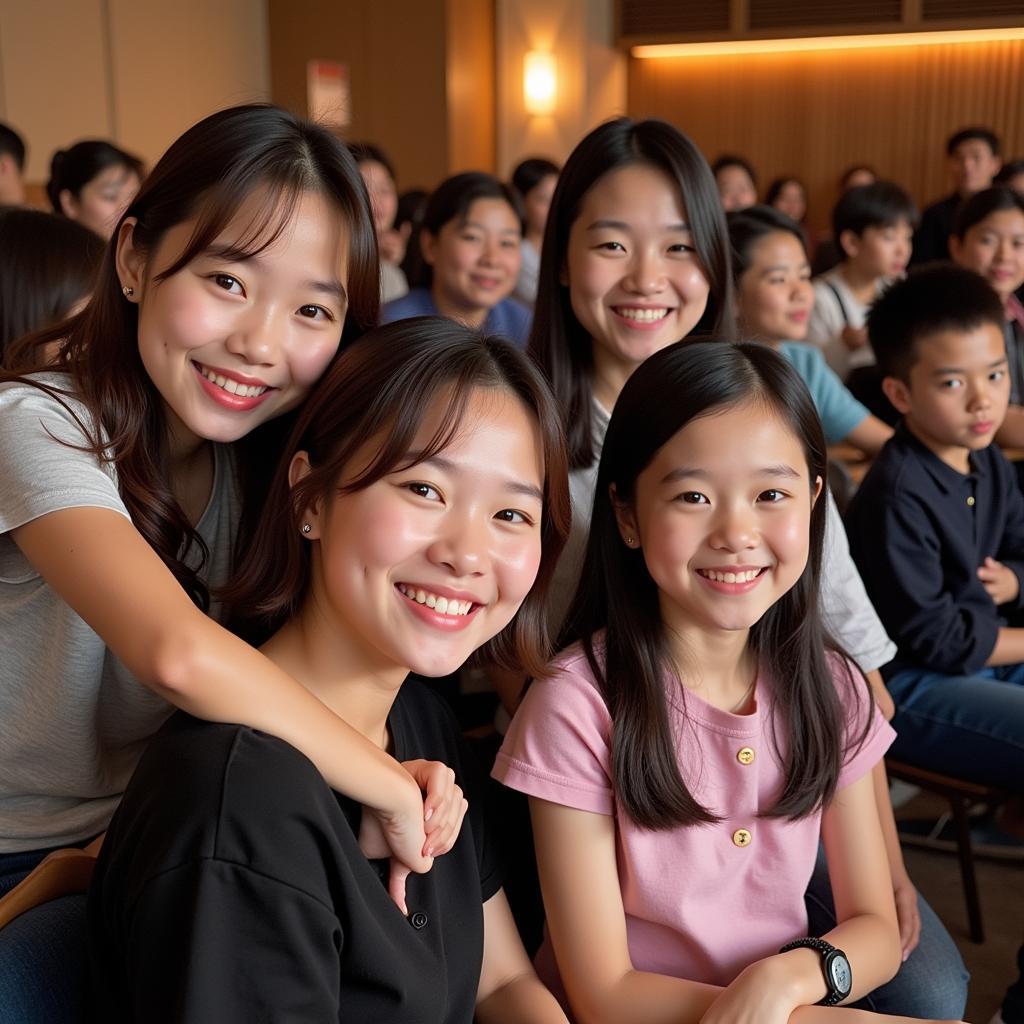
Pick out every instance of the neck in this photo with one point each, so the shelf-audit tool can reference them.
(715, 664)
(610, 376)
(861, 284)
(473, 317)
(346, 674)
(535, 238)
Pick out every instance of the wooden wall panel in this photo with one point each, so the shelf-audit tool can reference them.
(813, 114)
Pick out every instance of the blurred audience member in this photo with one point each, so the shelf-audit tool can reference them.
(737, 182)
(379, 177)
(47, 268)
(535, 181)
(973, 159)
(93, 182)
(12, 165)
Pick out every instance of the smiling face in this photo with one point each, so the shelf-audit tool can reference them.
(635, 282)
(994, 248)
(475, 260)
(722, 514)
(231, 341)
(422, 567)
(100, 203)
(735, 188)
(774, 294)
(957, 393)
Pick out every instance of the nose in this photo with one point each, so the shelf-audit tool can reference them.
(646, 273)
(735, 528)
(461, 545)
(1004, 252)
(256, 338)
(489, 252)
(980, 396)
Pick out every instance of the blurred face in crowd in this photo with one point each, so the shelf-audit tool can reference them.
(972, 166)
(792, 201)
(994, 248)
(536, 204)
(100, 203)
(475, 260)
(383, 196)
(880, 250)
(12, 186)
(774, 294)
(735, 188)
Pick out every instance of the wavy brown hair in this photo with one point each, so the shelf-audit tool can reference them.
(204, 177)
(384, 386)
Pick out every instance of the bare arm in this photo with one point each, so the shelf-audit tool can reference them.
(104, 569)
(1011, 433)
(869, 435)
(510, 990)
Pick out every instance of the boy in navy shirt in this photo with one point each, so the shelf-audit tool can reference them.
(937, 530)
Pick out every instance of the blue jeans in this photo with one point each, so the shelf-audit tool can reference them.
(43, 954)
(932, 983)
(971, 727)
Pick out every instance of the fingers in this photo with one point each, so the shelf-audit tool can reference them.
(443, 839)
(444, 806)
(396, 884)
(909, 919)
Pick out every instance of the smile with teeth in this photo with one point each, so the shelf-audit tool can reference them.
(644, 315)
(233, 387)
(730, 577)
(442, 605)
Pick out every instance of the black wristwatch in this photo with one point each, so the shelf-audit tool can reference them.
(834, 965)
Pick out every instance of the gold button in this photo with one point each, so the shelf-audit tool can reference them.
(745, 755)
(970, 501)
(741, 837)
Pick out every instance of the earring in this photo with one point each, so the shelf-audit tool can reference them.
(128, 290)
(630, 542)
(307, 528)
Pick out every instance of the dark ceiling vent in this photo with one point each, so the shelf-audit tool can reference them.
(654, 17)
(766, 14)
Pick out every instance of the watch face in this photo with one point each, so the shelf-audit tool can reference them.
(840, 973)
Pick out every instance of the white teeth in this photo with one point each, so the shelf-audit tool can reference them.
(444, 605)
(233, 387)
(645, 315)
(730, 577)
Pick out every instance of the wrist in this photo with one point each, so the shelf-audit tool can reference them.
(798, 971)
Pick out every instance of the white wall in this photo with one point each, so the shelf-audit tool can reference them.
(135, 71)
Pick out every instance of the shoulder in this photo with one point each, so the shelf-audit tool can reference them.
(807, 359)
(43, 397)
(418, 302)
(567, 694)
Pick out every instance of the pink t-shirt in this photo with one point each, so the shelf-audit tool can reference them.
(702, 902)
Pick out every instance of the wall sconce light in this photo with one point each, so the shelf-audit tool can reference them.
(540, 83)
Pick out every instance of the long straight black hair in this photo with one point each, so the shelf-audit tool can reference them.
(632, 662)
(558, 342)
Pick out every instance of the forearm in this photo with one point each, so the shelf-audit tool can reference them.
(520, 999)
(644, 998)
(1011, 433)
(887, 820)
(1009, 648)
(869, 435)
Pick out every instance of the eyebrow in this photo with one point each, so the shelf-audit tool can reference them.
(787, 266)
(483, 227)
(621, 225)
(233, 254)
(780, 470)
(944, 371)
(509, 483)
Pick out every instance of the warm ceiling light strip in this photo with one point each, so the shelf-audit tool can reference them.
(743, 46)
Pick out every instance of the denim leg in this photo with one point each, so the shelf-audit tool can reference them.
(971, 727)
(43, 954)
(932, 983)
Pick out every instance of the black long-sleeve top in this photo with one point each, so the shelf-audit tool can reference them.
(918, 532)
(231, 888)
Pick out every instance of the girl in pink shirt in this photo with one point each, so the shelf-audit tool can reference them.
(683, 757)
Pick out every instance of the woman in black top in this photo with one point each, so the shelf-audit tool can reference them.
(417, 518)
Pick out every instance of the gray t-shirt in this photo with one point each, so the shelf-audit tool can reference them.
(73, 720)
(847, 611)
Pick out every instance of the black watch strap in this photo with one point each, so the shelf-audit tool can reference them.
(828, 954)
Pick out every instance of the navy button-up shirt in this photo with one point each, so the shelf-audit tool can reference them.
(919, 530)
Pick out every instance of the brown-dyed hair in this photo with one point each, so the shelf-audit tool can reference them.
(205, 176)
(383, 387)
